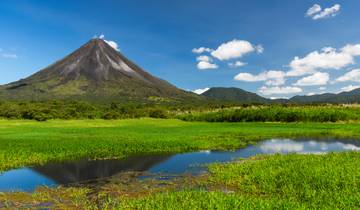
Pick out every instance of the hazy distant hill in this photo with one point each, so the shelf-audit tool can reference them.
(241, 96)
(343, 97)
(95, 72)
(234, 95)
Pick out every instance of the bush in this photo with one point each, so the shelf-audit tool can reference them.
(158, 113)
(111, 115)
(277, 114)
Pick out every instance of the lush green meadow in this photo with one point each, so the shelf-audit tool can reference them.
(24, 143)
(329, 181)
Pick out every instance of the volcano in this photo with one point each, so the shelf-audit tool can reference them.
(95, 72)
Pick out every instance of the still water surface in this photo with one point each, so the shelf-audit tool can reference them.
(54, 174)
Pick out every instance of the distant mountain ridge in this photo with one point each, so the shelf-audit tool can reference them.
(95, 72)
(241, 96)
(343, 97)
(234, 95)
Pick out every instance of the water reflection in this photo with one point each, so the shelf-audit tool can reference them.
(27, 179)
(84, 170)
(304, 147)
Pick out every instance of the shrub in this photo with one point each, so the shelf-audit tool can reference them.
(158, 113)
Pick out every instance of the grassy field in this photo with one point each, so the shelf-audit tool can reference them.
(24, 143)
(329, 181)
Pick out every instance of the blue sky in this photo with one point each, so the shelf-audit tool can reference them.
(262, 36)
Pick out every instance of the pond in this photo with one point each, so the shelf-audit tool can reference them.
(81, 171)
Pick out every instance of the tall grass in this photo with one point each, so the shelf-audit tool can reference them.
(277, 114)
(329, 181)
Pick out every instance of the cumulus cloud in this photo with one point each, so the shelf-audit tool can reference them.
(226, 51)
(353, 76)
(327, 12)
(278, 97)
(202, 65)
(271, 77)
(236, 64)
(235, 49)
(201, 90)
(279, 90)
(349, 88)
(311, 94)
(113, 44)
(318, 78)
(313, 10)
(204, 58)
(322, 88)
(201, 50)
(205, 62)
(327, 58)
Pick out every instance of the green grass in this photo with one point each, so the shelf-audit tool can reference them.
(24, 143)
(331, 181)
(197, 199)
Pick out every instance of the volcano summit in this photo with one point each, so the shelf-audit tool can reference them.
(94, 72)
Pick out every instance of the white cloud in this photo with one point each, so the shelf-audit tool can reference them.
(271, 77)
(112, 44)
(236, 64)
(206, 65)
(205, 62)
(327, 12)
(201, 90)
(327, 58)
(279, 90)
(311, 94)
(8, 55)
(318, 78)
(278, 97)
(350, 49)
(313, 10)
(204, 58)
(353, 75)
(4, 54)
(235, 49)
(201, 50)
(259, 49)
(322, 88)
(349, 88)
